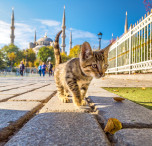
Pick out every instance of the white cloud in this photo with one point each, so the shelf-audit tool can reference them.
(24, 33)
(82, 34)
(4, 32)
(48, 22)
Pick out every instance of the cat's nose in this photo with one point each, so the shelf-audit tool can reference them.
(100, 73)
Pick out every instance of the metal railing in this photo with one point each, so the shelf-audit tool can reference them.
(133, 50)
(15, 74)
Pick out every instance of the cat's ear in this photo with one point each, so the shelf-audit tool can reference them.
(86, 51)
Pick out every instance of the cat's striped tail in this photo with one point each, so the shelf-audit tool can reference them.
(57, 50)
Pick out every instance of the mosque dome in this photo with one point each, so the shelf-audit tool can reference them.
(44, 41)
(37, 48)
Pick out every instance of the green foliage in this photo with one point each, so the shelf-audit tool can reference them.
(75, 51)
(64, 57)
(29, 56)
(37, 62)
(8, 51)
(2, 63)
(46, 52)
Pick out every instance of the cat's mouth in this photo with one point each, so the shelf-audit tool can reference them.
(99, 76)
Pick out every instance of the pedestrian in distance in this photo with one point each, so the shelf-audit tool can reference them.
(43, 67)
(40, 69)
(50, 66)
(21, 68)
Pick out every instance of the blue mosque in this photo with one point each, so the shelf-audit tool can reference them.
(44, 41)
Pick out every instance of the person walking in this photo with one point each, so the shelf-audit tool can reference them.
(43, 67)
(50, 66)
(21, 68)
(40, 69)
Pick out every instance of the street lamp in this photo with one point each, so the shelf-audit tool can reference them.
(99, 37)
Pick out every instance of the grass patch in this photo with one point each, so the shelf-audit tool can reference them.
(142, 96)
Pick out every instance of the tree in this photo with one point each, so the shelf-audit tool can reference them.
(64, 57)
(7, 49)
(29, 55)
(11, 57)
(148, 4)
(37, 62)
(46, 52)
(75, 51)
(2, 63)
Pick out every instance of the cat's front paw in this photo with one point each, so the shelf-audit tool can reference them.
(65, 100)
(83, 102)
(67, 94)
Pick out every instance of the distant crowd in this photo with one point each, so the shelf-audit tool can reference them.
(41, 69)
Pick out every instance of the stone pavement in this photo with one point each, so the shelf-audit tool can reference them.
(31, 114)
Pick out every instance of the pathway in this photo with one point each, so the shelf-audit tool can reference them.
(31, 114)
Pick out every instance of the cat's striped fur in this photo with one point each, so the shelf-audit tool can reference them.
(75, 75)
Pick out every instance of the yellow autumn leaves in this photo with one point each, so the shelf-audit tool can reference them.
(113, 125)
(118, 99)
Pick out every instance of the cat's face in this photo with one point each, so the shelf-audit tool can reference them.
(95, 63)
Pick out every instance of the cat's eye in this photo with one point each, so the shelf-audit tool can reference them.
(94, 66)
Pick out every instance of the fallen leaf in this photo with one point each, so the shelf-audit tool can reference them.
(143, 88)
(113, 125)
(116, 90)
(118, 99)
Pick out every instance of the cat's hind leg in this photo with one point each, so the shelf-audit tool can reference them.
(60, 87)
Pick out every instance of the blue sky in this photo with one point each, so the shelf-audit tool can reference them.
(86, 18)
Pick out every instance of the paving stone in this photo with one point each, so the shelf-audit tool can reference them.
(34, 96)
(10, 87)
(69, 129)
(13, 114)
(133, 137)
(5, 97)
(128, 113)
(108, 81)
(15, 91)
(47, 88)
(55, 105)
(36, 86)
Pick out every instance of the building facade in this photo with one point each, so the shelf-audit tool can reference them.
(37, 44)
(46, 41)
(132, 52)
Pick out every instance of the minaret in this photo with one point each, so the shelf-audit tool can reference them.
(63, 32)
(70, 43)
(12, 36)
(126, 24)
(112, 37)
(35, 37)
(45, 35)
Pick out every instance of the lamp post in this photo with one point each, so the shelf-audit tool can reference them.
(99, 37)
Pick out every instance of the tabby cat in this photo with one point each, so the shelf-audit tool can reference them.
(75, 75)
